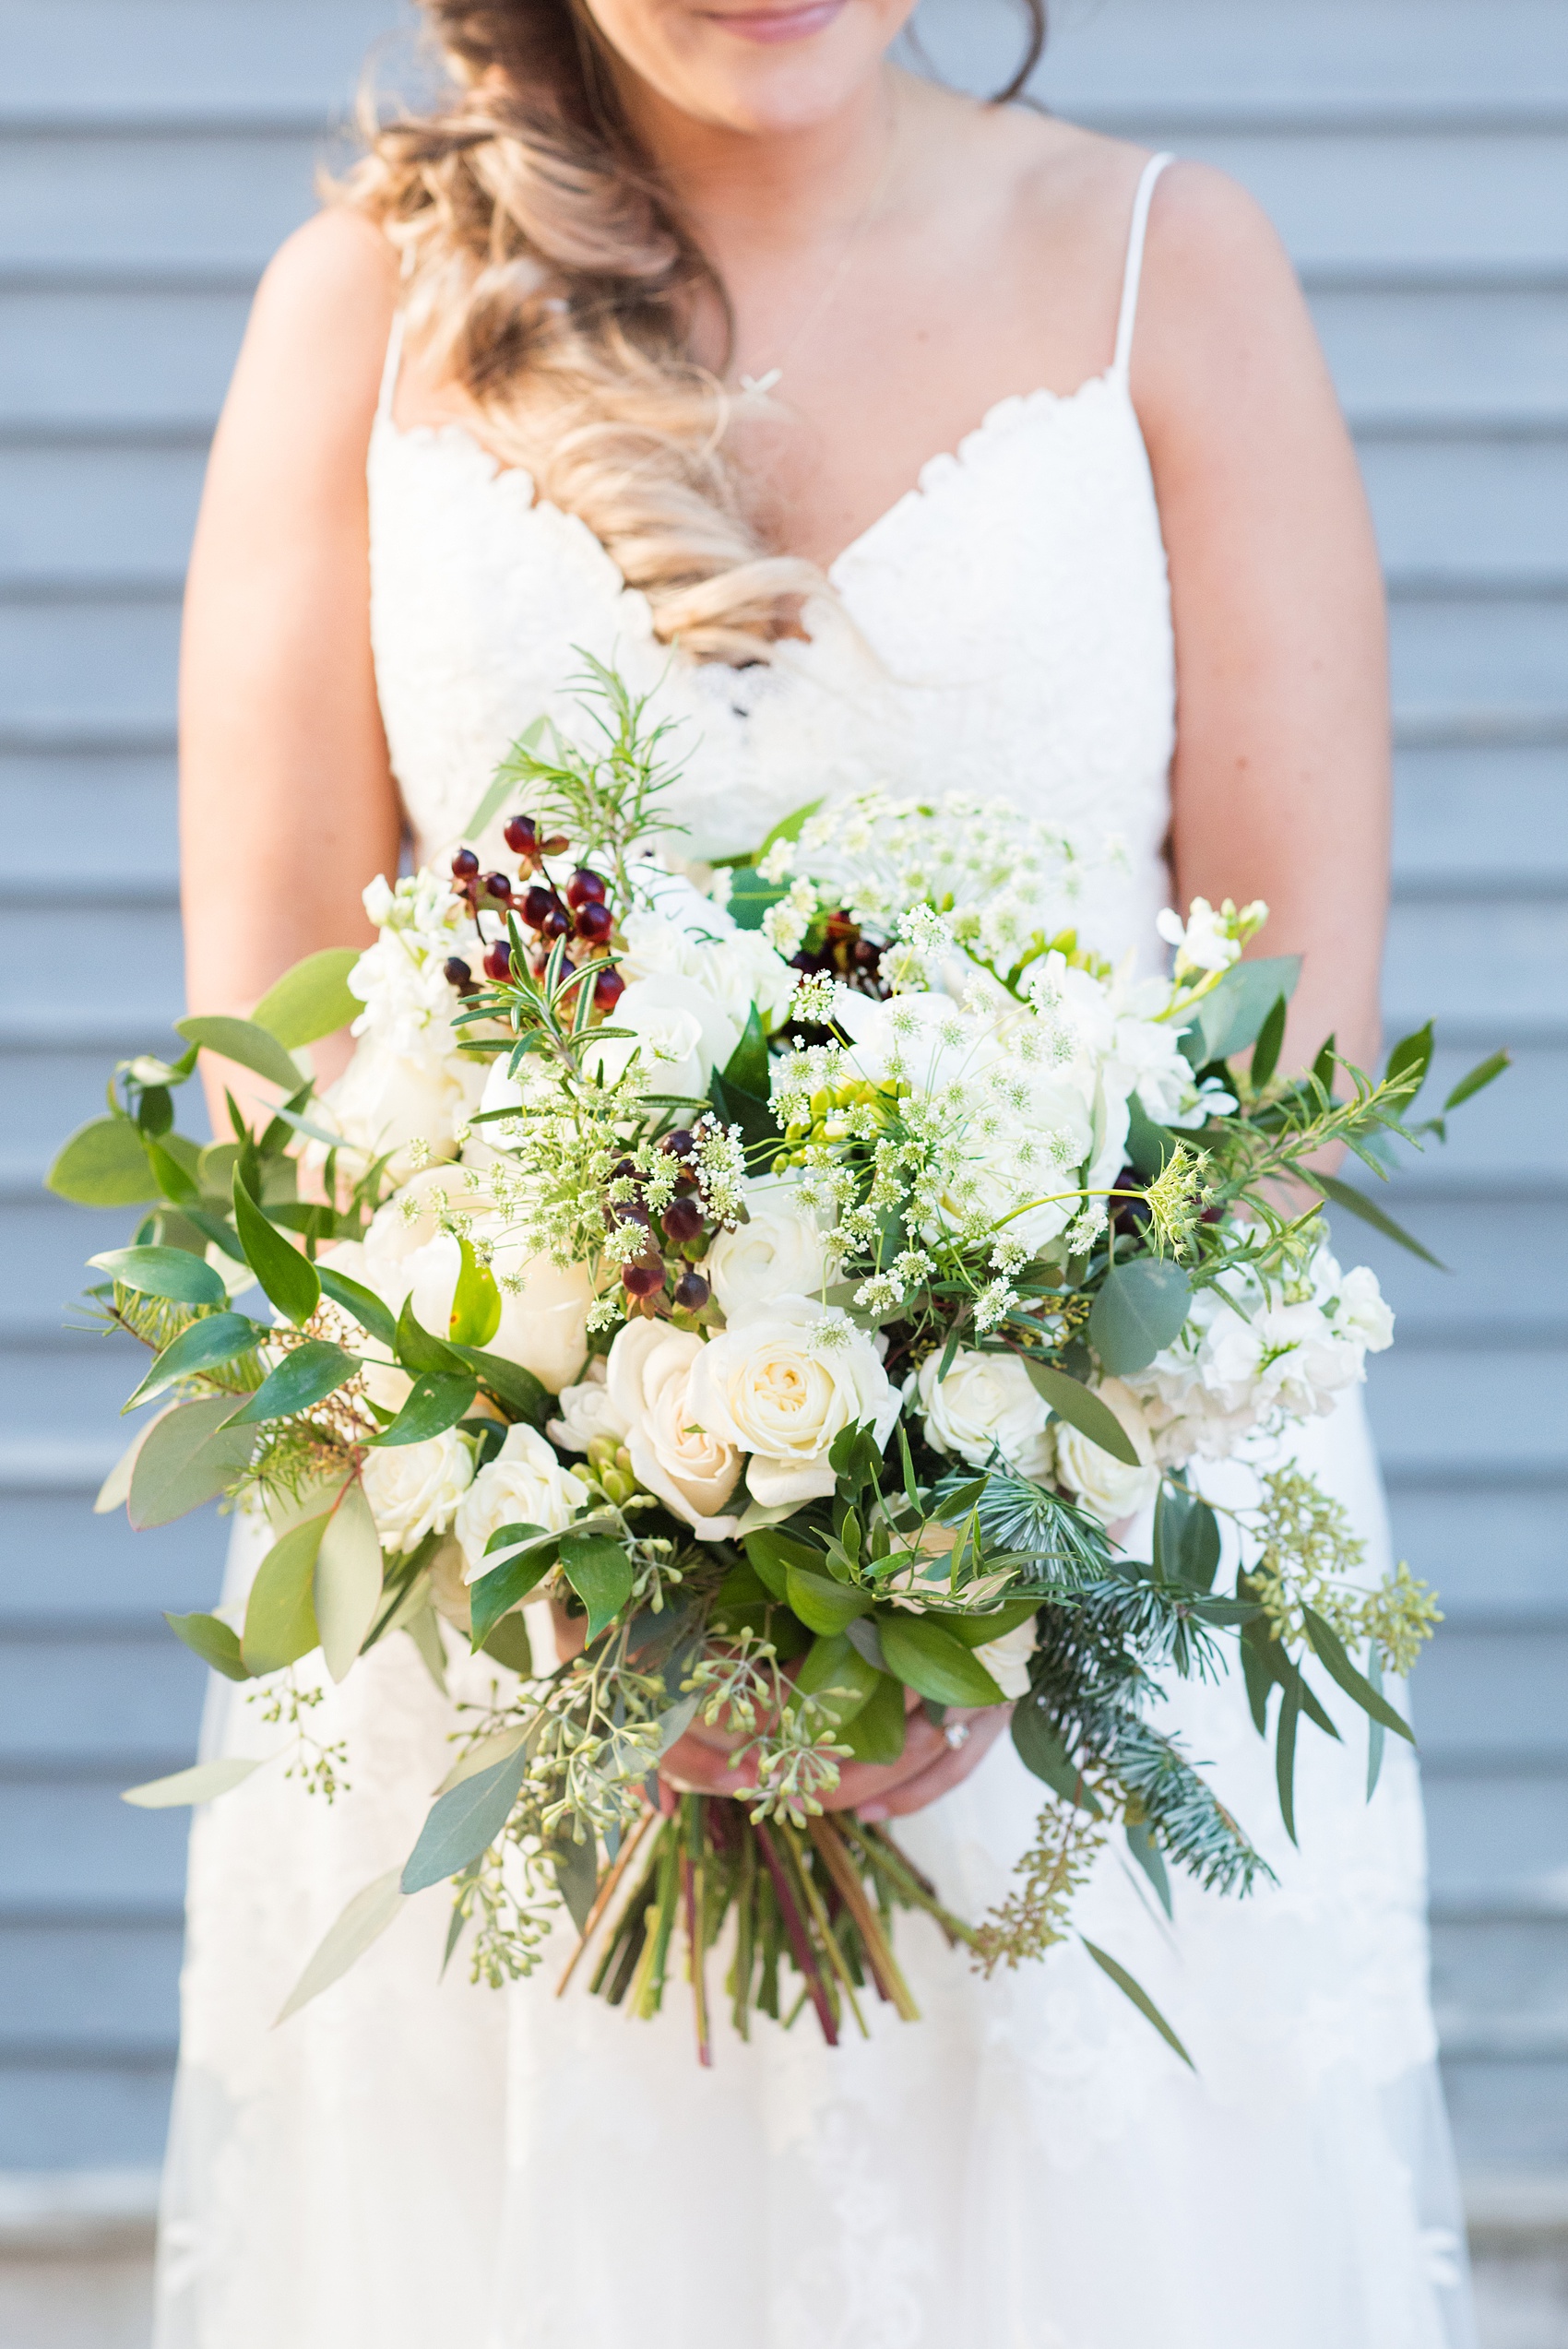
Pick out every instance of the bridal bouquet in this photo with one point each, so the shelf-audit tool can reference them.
(801, 1275)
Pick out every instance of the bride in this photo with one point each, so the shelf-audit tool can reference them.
(646, 339)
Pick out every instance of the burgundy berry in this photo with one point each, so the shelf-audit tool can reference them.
(691, 1292)
(538, 904)
(555, 923)
(521, 835)
(632, 1211)
(642, 1279)
(679, 1145)
(586, 887)
(498, 960)
(465, 864)
(682, 1220)
(594, 922)
(457, 972)
(498, 886)
(607, 990)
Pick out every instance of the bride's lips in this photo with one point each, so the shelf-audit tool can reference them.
(778, 24)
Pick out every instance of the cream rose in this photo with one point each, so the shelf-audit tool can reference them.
(679, 1032)
(674, 1455)
(782, 1387)
(1007, 1659)
(1105, 1486)
(543, 1322)
(414, 1488)
(585, 1413)
(778, 1253)
(985, 1400)
(524, 1485)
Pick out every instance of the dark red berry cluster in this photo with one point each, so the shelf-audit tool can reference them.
(581, 918)
(682, 1232)
(846, 953)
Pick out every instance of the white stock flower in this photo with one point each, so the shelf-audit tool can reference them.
(414, 1488)
(1007, 1659)
(986, 1400)
(783, 1386)
(778, 1253)
(649, 1387)
(387, 1100)
(1362, 1311)
(1203, 942)
(524, 1485)
(1104, 1485)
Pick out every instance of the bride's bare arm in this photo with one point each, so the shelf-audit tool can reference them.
(286, 801)
(1281, 780)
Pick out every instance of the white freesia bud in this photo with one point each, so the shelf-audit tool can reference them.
(414, 1488)
(1106, 1486)
(674, 1456)
(778, 1253)
(524, 1485)
(986, 1400)
(782, 1387)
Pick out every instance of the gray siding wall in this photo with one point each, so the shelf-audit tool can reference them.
(1415, 154)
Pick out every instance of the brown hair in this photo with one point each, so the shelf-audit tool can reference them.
(551, 276)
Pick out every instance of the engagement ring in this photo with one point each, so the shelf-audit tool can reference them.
(956, 1734)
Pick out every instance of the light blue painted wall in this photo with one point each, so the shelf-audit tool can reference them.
(1415, 153)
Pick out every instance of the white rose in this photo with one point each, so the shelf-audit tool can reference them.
(414, 1488)
(1107, 1486)
(543, 1324)
(587, 1413)
(680, 1033)
(985, 1399)
(524, 1485)
(782, 1387)
(1007, 1659)
(387, 1100)
(648, 1389)
(778, 1253)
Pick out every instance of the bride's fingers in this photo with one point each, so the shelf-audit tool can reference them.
(952, 1765)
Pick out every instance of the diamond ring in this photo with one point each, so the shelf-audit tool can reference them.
(956, 1734)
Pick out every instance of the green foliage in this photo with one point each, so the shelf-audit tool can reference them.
(164, 1272)
(190, 1458)
(104, 1164)
(1072, 1401)
(280, 1615)
(288, 1281)
(246, 1041)
(210, 1638)
(1140, 1308)
(931, 1661)
(311, 1001)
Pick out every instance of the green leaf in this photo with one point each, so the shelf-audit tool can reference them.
(1151, 1859)
(600, 1573)
(164, 1272)
(515, 1389)
(417, 1349)
(823, 1606)
(1135, 1990)
(980, 1625)
(1072, 1401)
(1041, 1750)
(877, 1731)
(348, 1580)
(773, 1553)
(217, 1338)
(733, 1106)
(188, 1458)
(1326, 1064)
(435, 1402)
(210, 1638)
(1410, 1060)
(576, 1877)
(1376, 1740)
(832, 1663)
(302, 1379)
(464, 1822)
(750, 896)
(492, 1597)
(1149, 1146)
(205, 1783)
(476, 1302)
(933, 1663)
(1483, 1073)
(362, 1303)
(1231, 1015)
(1329, 1649)
(1267, 1051)
(104, 1165)
(311, 1001)
(366, 1917)
(1186, 1539)
(1139, 1309)
(788, 827)
(1285, 1751)
(243, 1040)
(175, 1180)
(280, 1623)
(747, 1065)
(1356, 1203)
(288, 1280)
(510, 1644)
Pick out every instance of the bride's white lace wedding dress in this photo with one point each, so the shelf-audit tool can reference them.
(415, 2165)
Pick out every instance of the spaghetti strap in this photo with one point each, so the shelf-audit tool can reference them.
(389, 368)
(1134, 268)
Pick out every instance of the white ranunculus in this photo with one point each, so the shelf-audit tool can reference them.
(649, 1388)
(1007, 1659)
(680, 1033)
(778, 1253)
(985, 1400)
(524, 1485)
(783, 1386)
(414, 1488)
(1104, 1485)
(587, 1413)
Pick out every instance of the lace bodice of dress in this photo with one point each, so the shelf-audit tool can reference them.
(1003, 629)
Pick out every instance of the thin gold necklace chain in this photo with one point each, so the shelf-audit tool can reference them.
(759, 386)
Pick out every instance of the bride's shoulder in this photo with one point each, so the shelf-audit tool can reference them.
(323, 312)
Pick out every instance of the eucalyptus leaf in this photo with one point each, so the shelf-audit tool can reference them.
(1040, 1749)
(205, 1783)
(577, 1877)
(1151, 1859)
(173, 1273)
(189, 1457)
(510, 1644)
(1329, 1649)
(1072, 1401)
(214, 1641)
(1186, 1539)
(104, 1164)
(206, 1345)
(823, 1606)
(465, 1822)
(311, 1001)
(1134, 1990)
(1139, 1309)
(365, 1921)
(1356, 1203)
(1271, 1039)
(875, 1732)
(114, 1492)
(367, 1309)
(417, 1349)
(492, 1597)
(347, 1581)
(280, 1623)
(516, 1390)
(246, 1041)
(1231, 1015)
